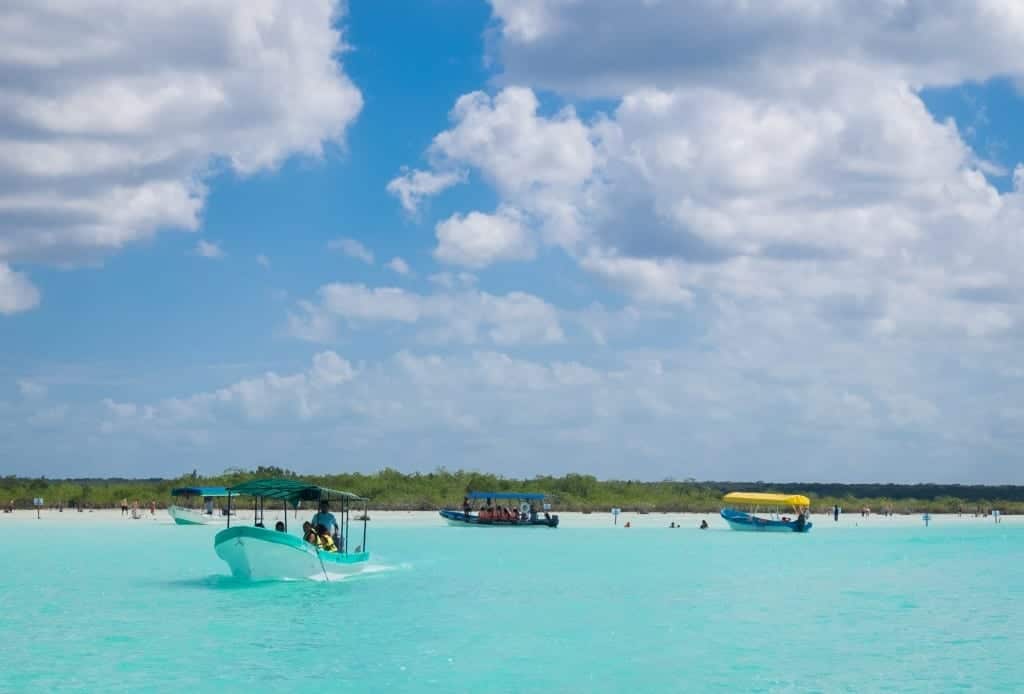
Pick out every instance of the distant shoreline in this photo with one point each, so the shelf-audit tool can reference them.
(391, 490)
(430, 519)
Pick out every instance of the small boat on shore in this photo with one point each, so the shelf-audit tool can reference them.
(763, 512)
(521, 513)
(185, 514)
(258, 553)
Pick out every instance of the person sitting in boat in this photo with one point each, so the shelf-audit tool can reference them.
(466, 506)
(327, 519)
(326, 541)
(533, 513)
(309, 534)
(801, 521)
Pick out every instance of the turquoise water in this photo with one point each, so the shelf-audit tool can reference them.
(134, 605)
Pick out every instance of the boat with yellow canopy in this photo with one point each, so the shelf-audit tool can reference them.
(763, 512)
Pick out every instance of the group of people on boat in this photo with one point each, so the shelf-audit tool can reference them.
(322, 531)
(506, 514)
(320, 537)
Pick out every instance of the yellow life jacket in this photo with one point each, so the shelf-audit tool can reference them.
(327, 543)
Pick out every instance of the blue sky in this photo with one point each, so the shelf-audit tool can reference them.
(753, 243)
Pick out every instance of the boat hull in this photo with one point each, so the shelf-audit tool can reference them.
(458, 518)
(190, 516)
(739, 520)
(259, 554)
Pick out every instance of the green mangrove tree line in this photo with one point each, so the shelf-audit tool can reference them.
(391, 489)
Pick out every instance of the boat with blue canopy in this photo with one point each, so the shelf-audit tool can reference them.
(184, 513)
(259, 553)
(765, 512)
(520, 511)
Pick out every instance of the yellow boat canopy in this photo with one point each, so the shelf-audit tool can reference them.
(763, 499)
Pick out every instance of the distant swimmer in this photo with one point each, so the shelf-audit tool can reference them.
(703, 525)
(627, 525)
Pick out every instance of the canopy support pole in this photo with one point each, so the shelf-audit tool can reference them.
(345, 539)
(365, 518)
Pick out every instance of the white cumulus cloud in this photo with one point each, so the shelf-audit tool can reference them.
(209, 249)
(114, 114)
(30, 389)
(463, 316)
(478, 239)
(352, 249)
(412, 186)
(400, 266)
(303, 395)
(17, 293)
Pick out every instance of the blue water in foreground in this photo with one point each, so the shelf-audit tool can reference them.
(134, 605)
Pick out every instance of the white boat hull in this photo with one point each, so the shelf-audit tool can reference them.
(259, 554)
(191, 516)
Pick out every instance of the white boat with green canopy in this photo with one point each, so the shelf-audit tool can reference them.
(258, 553)
(184, 512)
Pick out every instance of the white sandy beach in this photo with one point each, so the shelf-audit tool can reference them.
(392, 519)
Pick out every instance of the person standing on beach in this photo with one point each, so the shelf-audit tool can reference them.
(124, 507)
(835, 513)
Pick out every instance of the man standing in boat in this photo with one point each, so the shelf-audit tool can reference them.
(325, 518)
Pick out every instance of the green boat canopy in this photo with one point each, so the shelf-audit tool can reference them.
(199, 491)
(505, 495)
(291, 490)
